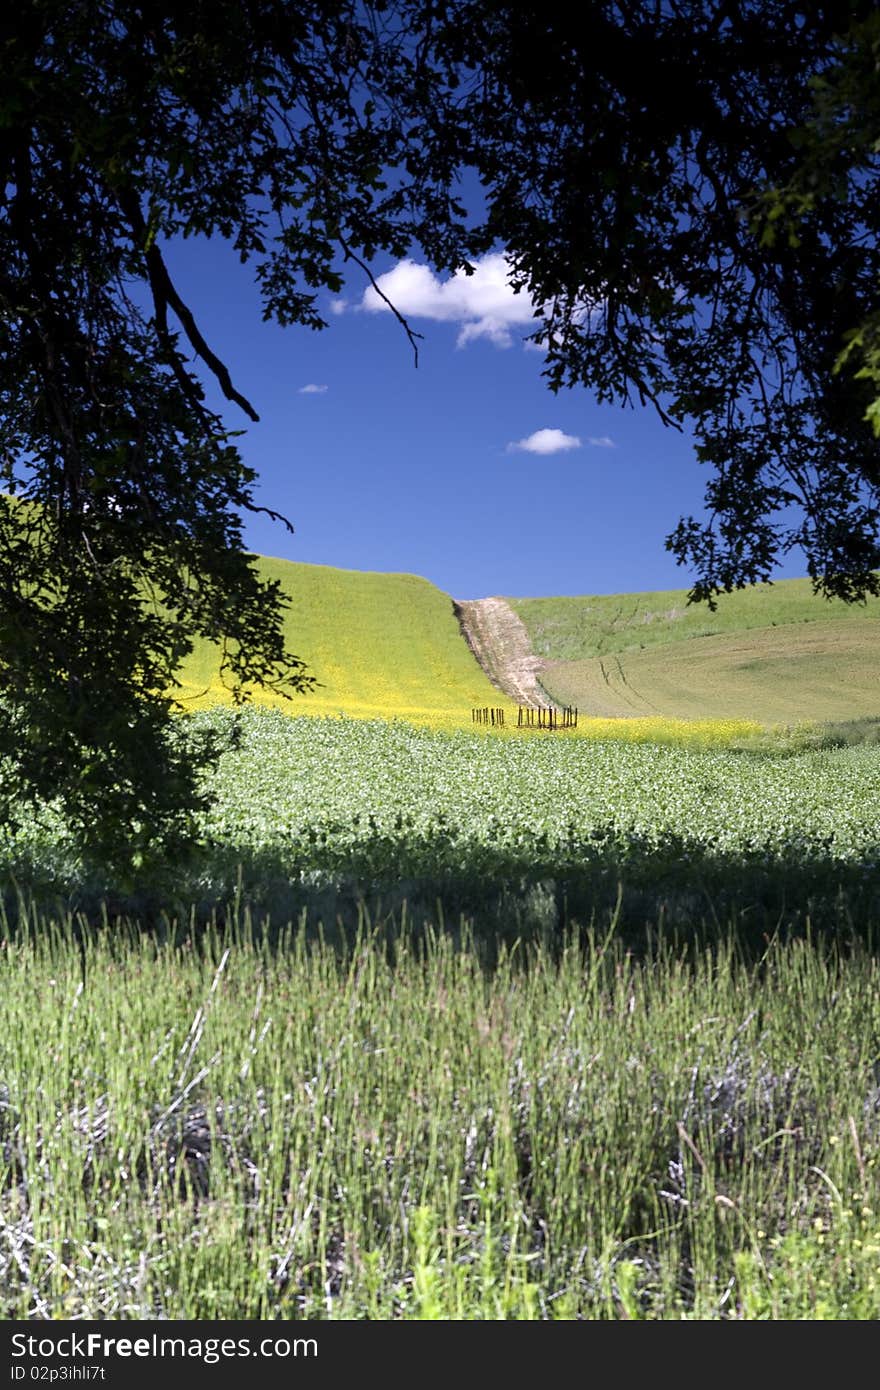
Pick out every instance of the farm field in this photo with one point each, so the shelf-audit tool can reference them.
(317, 812)
(366, 803)
(776, 654)
(825, 671)
(381, 645)
(571, 628)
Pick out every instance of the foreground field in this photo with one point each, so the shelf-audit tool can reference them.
(774, 653)
(214, 1127)
(515, 832)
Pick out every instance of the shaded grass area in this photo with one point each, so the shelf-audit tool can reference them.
(534, 889)
(213, 1125)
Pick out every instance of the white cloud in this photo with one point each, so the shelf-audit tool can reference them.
(603, 441)
(483, 304)
(546, 442)
(312, 390)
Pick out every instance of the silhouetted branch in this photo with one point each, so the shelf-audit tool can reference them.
(165, 295)
(410, 333)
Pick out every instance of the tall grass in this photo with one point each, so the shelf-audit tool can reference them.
(227, 1124)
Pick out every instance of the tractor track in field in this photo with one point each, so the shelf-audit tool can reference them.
(500, 642)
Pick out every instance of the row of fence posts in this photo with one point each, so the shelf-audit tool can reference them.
(529, 717)
(541, 717)
(495, 717)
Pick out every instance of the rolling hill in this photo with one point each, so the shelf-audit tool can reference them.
(382, 646)
(390, 646)
(776, 653)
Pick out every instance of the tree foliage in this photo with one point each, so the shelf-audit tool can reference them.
(687, 191)
(638, 177)
(839, 154)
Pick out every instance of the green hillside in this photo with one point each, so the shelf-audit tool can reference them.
(572, 628)
(774, 653)
(382, 645)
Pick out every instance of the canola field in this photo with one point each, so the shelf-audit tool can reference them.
(381, 646)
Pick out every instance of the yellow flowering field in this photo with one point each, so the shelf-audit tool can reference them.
(388, 646)
(384, 646)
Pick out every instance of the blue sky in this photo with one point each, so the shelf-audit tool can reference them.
(467, 470)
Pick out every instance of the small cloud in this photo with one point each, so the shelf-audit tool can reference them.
(602, 441)
(338, 306)
(545, 442)
(312, 390)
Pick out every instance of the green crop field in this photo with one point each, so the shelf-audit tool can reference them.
(775, 654)
(642, 1084)
(381, 646)
(509, 829)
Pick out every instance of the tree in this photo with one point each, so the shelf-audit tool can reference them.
(839, 152)
(646, 166)
(122, 126)
(639, 160)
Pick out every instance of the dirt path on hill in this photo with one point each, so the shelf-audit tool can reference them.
(499, 640)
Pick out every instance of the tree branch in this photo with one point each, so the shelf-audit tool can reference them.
(359, 261)
(267, 511)
(165, 295)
